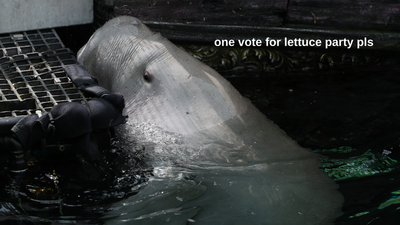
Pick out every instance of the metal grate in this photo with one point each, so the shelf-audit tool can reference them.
(28, 42)
(32, 76)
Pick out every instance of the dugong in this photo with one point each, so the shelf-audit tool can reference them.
(216, 158)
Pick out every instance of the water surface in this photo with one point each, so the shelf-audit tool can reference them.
(349, 115)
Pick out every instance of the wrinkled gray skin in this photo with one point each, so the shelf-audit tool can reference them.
(195, 124)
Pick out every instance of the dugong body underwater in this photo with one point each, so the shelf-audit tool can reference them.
(216, 158)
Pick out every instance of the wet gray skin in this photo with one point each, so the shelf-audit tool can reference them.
(194, 124)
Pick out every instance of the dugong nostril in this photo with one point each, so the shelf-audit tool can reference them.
(147, 76)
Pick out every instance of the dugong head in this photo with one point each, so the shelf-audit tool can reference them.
(162, 84)
(165, 87)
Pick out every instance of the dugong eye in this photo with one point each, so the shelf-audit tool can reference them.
(147, 76)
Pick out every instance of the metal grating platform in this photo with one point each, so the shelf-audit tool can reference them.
(28, 42)
(32, 76)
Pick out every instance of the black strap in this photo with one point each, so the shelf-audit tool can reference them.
(85, 81)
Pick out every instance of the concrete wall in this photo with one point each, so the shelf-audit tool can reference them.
(221, 12)
(22, 15)
(365, 14)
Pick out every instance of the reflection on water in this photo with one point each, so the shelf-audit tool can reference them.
(161, 201)
(357, 108)
(60, 188)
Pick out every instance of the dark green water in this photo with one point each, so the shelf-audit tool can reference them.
(352, 117)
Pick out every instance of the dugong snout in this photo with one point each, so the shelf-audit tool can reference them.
(196, 120)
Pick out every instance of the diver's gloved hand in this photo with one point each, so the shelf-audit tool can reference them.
(105, 114)
(17, 161)
(116, 99)
(84, 80)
